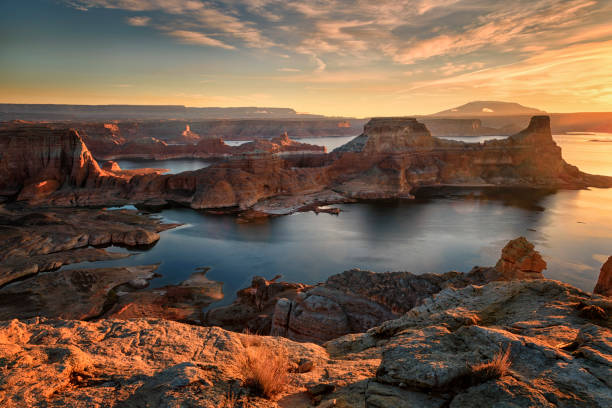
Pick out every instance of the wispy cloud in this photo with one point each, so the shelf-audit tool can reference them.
(400, 31)
(138, 21)
(192, 37)
(429, 48)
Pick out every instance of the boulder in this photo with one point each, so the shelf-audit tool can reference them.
(519, 260)
(604, 282)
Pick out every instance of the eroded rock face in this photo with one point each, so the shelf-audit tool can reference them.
(519, 260)
(389, 160)
(38, 160)
(604, 282)
(254, 306)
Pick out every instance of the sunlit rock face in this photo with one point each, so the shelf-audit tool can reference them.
(390, 135)
(519, 260)
(558, 357)
(394, 156)
(391, 159)
(604, 282)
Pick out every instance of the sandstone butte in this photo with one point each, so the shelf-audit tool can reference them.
(53, 167)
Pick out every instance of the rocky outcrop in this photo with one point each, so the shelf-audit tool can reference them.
(38, 160)
(183, 302)
(426, 358)
(396, 155)
(391, 159)
(604, 282)
(254, 306)
(33, 241)
(112, 166)
(356, 300)
(434, 347)
(519, 260)
(69, 294)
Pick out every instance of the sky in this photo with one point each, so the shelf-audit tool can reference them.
(333, 57)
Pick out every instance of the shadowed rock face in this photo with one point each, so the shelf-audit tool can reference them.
(604, 282)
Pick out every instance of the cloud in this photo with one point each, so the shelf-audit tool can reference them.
(335, 34)
(579, 72)
(192, 37)
(289, 70)
(138, 21)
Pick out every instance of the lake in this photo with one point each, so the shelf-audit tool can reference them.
(441, 230)
(174, 166)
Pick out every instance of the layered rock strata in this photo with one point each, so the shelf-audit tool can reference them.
(392, 158)
(34, 241)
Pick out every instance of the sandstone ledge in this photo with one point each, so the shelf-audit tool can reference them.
(559, 357)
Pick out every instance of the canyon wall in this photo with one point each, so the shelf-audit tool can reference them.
(390, 159)
(36, 161)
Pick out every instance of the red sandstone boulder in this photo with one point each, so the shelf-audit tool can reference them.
(519, 260)
(604, 282)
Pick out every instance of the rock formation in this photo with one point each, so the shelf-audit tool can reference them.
(604, 282)
(37, 161)
(33, 241)
(557, 358)
(391, 159)
(520, 261)
(355, 300)
(166, 140)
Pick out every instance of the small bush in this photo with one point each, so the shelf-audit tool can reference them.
(496, 368)
(265, 370)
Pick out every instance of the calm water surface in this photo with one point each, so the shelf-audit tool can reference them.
(173, 165)
(439, 231)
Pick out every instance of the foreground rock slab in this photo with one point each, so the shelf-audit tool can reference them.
(39, 240)
(558, 357)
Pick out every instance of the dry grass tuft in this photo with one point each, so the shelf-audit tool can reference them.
(265, 370)
(496, 368)
(231, 400)
(250, 339)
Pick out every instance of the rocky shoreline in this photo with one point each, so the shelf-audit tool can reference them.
(558, 340)
(100, 337)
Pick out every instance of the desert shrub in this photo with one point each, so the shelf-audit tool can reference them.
(496, 368)
(265, 369)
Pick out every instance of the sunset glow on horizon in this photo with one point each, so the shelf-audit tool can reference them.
(346, 58)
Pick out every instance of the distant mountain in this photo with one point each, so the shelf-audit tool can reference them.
(52, 112)
(489, 108)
